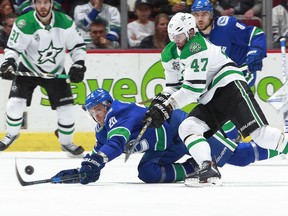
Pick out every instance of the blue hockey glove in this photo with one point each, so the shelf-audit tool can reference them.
(8, 69)
(65, 173)
(91, 166)
(254, 60)
(159, 113)
(77, 71)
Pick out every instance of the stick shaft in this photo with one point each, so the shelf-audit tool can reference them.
(131, 145)
(283, 55)
(51, 180)
(43, 75)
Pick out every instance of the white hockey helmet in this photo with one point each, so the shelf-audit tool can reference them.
(181, 23)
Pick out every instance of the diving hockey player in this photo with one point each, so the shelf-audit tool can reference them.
(119, 122)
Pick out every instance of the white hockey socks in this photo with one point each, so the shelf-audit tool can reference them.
(199, 148)
(14, 115)
(66, 125)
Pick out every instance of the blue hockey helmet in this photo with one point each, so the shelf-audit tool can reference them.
(201, 5)
(99, 96)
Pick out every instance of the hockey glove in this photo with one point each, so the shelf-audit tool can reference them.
(159, 113)
(8, 69)
(91, 166)
(77, 71)
(254, 60)
(159, 98)
(65, 173)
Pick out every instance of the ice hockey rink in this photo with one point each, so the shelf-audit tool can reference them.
(259, 189)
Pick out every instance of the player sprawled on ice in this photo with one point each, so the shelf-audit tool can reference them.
(214, 81)
(119, 122)
(245, 45)
(39, 40)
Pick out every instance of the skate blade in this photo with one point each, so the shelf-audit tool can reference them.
(211, 182)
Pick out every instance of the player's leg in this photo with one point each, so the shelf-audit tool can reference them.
(231, 132)
(161, 166)
(14, 119)
(250, 120)
(20, 95)
(222, 148)
(247, 153)
(192, 132)
(61, 99)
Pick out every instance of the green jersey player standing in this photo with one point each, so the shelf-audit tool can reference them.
(39, 40)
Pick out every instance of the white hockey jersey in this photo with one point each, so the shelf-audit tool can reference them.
(43, 48)
(197, 71)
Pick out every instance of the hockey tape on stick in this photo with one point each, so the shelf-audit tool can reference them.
(129, 146)
(43, 75)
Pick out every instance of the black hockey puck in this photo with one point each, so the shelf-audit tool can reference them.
(29, 170)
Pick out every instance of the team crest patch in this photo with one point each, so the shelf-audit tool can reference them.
(195, 47)
(176, 66)
(21, 23)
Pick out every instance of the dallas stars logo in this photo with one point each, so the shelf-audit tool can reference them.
(49, 54)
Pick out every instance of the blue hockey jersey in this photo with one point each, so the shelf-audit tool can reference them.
(123, 123)
(236, 38)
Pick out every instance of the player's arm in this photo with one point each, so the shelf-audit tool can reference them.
(250, 36)
(16, 44)
(108, 147)
(77, 50)
(115, 25)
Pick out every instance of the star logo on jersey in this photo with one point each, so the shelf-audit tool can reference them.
(183, 18)
(49, 54)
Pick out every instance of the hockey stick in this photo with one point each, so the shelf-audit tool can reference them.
(279, 99)
(146, 101)
(129, 146)
(75, 177)
(42, 75)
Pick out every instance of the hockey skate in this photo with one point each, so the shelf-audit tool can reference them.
(73, 150)
(7, 141)
(207, 175)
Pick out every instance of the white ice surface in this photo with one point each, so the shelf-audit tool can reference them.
(259, 189)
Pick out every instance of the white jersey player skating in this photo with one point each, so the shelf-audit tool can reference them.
(38, 41)
(213, 80)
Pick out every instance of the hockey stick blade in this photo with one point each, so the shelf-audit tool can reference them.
(24, 183)
(51, 180)
(279, 99)
(129, 146)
